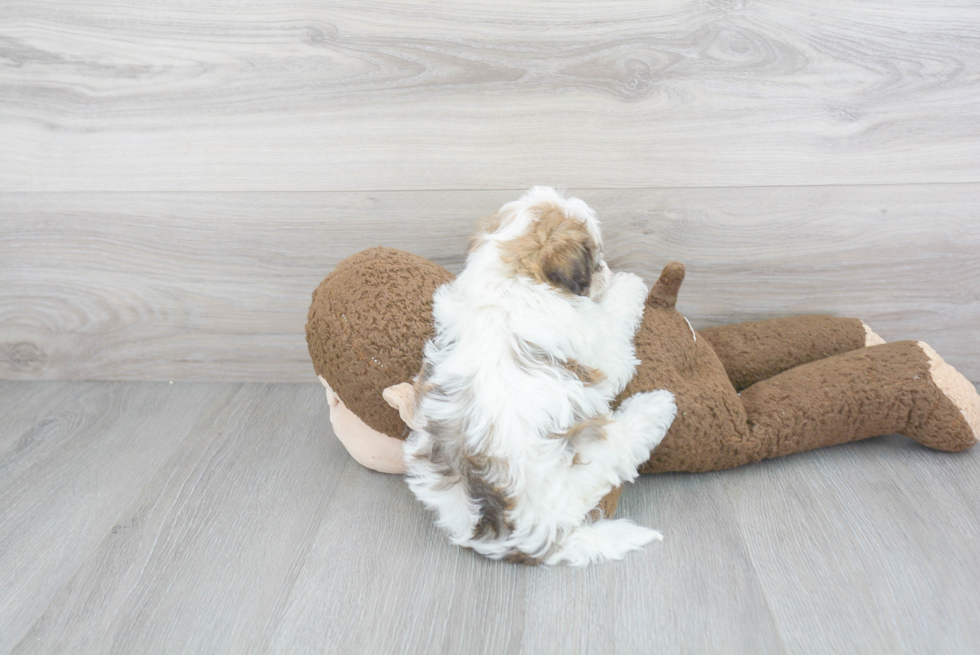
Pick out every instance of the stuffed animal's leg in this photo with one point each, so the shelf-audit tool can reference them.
(757, 351)
(902, 387)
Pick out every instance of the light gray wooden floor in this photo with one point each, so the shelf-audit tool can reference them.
(224, 517)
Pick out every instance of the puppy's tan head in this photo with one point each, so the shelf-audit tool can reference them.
(550, 240)
(555, 249)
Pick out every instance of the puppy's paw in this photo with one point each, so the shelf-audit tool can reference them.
(630, 287)
(630, 282)
(646, 417)
(626, 295)
(603, 540)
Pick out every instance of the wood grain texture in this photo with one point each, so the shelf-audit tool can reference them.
(376, 563)
(434, 598)
(226, 518)
(205, 555)
(129, 95)
(696, 592)
(216, 286)
(65, 480)
(843, 520)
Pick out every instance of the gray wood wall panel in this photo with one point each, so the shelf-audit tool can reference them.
(133, 95)
(176, 178)
(215, 286)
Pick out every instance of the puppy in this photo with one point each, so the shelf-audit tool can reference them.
(513, 442)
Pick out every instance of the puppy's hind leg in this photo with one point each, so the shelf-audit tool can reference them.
(638, 426)
(603, 540)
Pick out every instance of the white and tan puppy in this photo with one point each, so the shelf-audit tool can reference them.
(513, 441)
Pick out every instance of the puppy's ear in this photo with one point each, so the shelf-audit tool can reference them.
(569, 266)
(487, 225)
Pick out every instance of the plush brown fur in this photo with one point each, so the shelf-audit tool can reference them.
(366, 325)
(757, 351)
(808, 381)
(607, 506)
(819, 396)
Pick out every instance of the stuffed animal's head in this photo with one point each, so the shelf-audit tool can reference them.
(366, 327)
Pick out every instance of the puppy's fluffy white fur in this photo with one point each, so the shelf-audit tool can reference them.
(513, 440)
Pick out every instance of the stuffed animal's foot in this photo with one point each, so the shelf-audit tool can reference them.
(902, 387)
(957, 393)
(870, 338)
(600, 541)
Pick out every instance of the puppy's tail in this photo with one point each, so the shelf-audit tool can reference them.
(600, 541)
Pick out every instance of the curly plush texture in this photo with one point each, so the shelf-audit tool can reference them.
(806, 382)
(673, 357)
(761, 349)
(366, 326)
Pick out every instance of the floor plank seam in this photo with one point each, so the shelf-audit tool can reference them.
(124, 507)
(755, 569)
(276, 616)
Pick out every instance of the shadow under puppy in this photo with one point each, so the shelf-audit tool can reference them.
(513, 441)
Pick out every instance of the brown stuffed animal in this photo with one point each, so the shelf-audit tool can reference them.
(806, 382)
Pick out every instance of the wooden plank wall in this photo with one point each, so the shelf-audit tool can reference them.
(176, 178)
